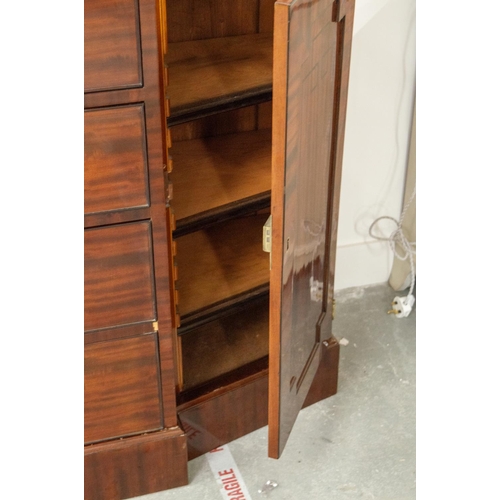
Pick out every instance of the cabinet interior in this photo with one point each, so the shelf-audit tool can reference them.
(219, 59)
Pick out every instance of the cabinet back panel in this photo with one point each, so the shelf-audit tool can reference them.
(115, 159)
(220, 262)
(195, 20)
(238, 120)
(119, 284)
(112, 45)
(226, 169)
(225, 344)
(121, 388)
(266, 16)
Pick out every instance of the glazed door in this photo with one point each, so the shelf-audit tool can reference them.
(310, 73)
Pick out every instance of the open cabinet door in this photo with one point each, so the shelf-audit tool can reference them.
(310, 75)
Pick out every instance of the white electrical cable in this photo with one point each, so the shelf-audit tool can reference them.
(409, 247)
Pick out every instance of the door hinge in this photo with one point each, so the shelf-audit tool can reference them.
(155, 326)
(334, 308)
(267, 231)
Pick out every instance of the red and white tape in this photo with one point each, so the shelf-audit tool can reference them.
(227, 474)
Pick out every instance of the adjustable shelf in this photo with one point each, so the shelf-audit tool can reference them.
(218, 74)
(222, 264)
(218, 178)
(226, 344)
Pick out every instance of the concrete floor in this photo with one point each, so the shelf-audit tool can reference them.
(358, 444)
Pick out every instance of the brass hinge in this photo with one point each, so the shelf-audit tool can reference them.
(155, 326)
(267, 231)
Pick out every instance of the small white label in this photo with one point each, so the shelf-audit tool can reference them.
(227, 474)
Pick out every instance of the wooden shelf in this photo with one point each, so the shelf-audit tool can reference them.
(220, 177)
(237, 303)
(218, 74)
(225, 344)
(221, 262)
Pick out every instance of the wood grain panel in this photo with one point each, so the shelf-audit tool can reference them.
(116, 163)
(216, 171)
(133, 330)
(136, 466)
(266, 16)
(220, 262)
(195, 20)
(228, 414)
(265, 115)
(206, 73)
(116, 217)
(112, 45)
(119, 283)
(121, 388)
(326, 379)
(236, 120)
(307, 55)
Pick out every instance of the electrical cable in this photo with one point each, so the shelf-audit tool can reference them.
(409, 250)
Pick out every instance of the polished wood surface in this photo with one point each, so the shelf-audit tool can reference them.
(218, 72)
(116, 217)
(115, 154)
(123, 57)
(121, 388)
(307, 52)
(206, 390)
(150, 94)
(325, 381)
(217, 171)
(220, 262)
(113, 333)
(137, 465)
(227, 414)
(119, 284)
(112, 45)
(209, 420)
(280, 62)
(225, 344)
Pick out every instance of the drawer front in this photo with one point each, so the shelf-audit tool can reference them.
(121, 388)
(116, 161)
(119, 283)
(112, 45)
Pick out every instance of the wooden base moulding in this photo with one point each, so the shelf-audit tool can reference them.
(135, 466)
(209, 420)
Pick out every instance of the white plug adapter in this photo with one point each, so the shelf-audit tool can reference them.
(402, 306)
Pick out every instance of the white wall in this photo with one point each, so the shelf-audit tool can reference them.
(379, 116)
